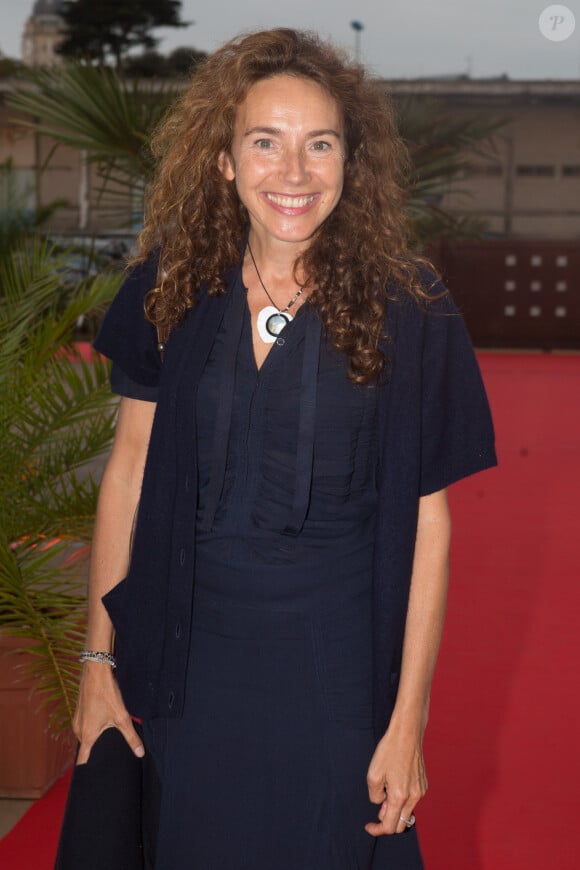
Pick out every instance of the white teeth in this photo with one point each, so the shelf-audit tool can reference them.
(290, 201)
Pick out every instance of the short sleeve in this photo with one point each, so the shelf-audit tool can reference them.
(457, 437)
(126, 336)
(122, 385)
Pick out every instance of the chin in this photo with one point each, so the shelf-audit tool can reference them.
(297, 236)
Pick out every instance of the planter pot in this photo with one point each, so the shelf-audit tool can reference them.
(31, 758)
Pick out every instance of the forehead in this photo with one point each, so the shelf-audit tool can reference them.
(289, 100)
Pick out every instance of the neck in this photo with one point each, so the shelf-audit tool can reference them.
(275, 261)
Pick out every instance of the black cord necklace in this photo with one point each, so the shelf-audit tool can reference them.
(271, 319)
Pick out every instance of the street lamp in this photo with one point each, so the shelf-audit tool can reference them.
(357, 26)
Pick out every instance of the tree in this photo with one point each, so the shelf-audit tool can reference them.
(96, 31)
(182, 61)
(151, 64)
(9, 67)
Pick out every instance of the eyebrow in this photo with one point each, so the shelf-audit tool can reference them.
(275, 131)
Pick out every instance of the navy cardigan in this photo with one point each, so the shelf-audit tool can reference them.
(435, 428)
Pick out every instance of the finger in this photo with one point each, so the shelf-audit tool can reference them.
(126, 728)
(84, 753)
(394, 814)
(391, 813)
(376, 829)
(406, 819)
(136, 744)
(384, 827)
(377, 790)
(86, 743)
(377, 795)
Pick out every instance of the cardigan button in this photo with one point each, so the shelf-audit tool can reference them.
(171, 700)
(182, 555)
(178, 630)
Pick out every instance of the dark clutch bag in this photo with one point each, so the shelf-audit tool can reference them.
(112, 809)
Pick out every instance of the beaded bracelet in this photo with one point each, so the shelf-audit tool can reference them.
(105, 658)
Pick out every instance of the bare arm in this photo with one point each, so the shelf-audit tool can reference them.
(396, 776)
(100, 704)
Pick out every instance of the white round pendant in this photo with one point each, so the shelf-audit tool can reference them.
(271, 322)
(276, 323)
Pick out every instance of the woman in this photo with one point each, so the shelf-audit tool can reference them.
(278, 624)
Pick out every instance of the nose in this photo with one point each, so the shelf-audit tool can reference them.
(294, 168)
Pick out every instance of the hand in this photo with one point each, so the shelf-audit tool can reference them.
(396, 780)
(101, 706)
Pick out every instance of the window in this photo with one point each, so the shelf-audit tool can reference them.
(488, 170)
(17, 189)
(533, 170)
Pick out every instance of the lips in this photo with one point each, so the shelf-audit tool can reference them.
(292, 202)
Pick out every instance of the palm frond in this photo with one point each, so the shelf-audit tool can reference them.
(442, 150)
(57, 418)
(43, 601)
(94, 110)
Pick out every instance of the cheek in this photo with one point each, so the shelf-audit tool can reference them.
(247, 180)
(250, 172)
(337, 181)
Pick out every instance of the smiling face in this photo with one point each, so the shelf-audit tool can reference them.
(287, 159)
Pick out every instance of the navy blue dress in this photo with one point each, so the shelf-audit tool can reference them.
(267, 767)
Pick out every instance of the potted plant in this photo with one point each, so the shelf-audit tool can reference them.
(56, 421)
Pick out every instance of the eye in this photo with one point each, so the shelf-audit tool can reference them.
(321, 145)
(264, 144)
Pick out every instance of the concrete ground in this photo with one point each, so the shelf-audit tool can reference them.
(11, 811)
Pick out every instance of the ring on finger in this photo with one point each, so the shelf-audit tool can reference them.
(410, 821)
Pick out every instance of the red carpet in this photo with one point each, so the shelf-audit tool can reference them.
(503, 750)
(32, 844)
(503, 753)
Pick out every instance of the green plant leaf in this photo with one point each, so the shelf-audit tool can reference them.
(57, 418)
(95, 110)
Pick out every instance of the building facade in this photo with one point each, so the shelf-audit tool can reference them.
(43, 33)
(519, 287)
(529, 186)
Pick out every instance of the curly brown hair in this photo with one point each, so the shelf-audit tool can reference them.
(194, 215)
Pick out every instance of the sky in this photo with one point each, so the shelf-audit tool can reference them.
(400, 39)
